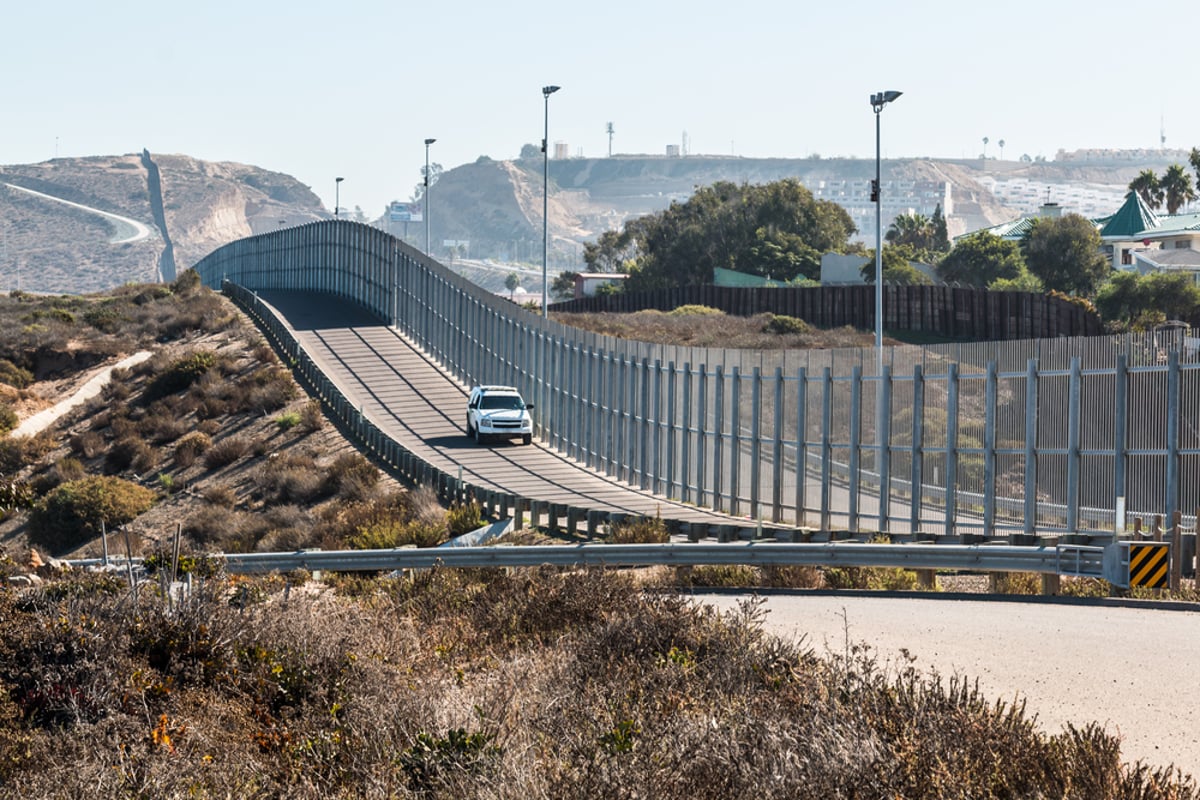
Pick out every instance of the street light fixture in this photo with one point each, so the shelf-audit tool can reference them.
(337, 195)
(428, 248)
(878, 101)
(546, 92)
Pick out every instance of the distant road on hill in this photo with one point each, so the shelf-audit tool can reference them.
(128, 230)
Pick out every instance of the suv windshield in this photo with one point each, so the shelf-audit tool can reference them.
(501, 402)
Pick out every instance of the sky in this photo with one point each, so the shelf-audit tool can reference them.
(352, 88)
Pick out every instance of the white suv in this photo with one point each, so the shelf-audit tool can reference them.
(498, 411)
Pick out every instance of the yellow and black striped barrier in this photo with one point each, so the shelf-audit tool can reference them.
(1149, 564)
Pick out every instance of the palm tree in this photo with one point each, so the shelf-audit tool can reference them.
(1001, 143)
(1177, 187)
(985, 141)
(1194, 159)
(915, 230)
(1146, 184)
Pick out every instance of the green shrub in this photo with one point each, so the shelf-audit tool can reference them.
(180, 375)
(464, 518)
(288, 420)
(71, 514)
(13, 375)
(640, 531)
(782, 325)
(13, 455)
(723, 575)
(692, 310)
(15, 495)
(8, 418)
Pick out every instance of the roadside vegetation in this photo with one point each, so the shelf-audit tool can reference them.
(494, 684)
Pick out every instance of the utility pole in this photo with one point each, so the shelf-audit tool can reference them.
(609, 130)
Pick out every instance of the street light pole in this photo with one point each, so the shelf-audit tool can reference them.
(878, 101)
(337, 195)
(546, 92)
(428, 248)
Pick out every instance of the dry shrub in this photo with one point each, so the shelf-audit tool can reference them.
(351, 476)
(190, 447)
(8, 418)
(723, 575)
(286, 528)
(642, 530)
(1016, 583)
(464, 517)
(61, 471)
(12, 455)
(13, 375)
(289, 478)
(312, 419)
(220, 495)
(212, 524)
(875, 579)
(88, 444)
(130, 452)
(226, 452)
(161, 425)
(792, 576)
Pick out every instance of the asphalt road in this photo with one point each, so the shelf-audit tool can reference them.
(1134, 670)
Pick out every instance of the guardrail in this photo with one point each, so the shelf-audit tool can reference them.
(984, 557)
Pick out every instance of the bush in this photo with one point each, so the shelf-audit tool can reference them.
(287, 420)
(783, 325)
(12, 455)
(226, 451)
(351, 476)
(190, 447)
(464, 518)
(311, 417)
(72, 514)
(8, 418)
(640, 531)
(179, 375)
(130, 452)
(694, 310)
(13, 375)
(88, 444)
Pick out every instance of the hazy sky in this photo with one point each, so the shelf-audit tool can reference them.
(353, 87)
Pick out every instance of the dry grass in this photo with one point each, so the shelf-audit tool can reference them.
(493, 684)
(701, 329)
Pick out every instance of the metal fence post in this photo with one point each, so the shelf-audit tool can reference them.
(952, 449)
(735, 441)
(718, 503)
(826, 447)
(917, 467)
(1073, 435)
(989, 452)
(1031, 436)
(777, 450)
(884, 437)
(670, 419)
(1173, 405)
(855, 445)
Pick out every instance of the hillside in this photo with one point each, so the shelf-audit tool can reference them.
(493, 208)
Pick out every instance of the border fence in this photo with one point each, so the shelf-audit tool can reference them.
(1033, 436)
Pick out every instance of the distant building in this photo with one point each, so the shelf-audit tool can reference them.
(586, 283)
(898, 199)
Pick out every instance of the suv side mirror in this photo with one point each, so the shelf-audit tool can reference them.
(528, 406)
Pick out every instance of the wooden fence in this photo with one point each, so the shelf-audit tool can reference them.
(956, 313)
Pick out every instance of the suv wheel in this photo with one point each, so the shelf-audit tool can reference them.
(470, 430)
(527, 438)
(478, 437)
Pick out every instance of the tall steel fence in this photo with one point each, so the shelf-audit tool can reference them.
(992, 438)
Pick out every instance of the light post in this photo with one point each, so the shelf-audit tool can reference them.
(883, 463)
(546, 92)
(878, 101)
(337, 195)
(428, 247)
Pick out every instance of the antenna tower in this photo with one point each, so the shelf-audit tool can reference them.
(608, 128)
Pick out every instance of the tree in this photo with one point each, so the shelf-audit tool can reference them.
(511, 282)
(563, 286)
(941, 239)
(1194, 160)
(980, 259)
(1064, 253)
(1127, 297)
(1146, 184)
(915, 230)
(530, 151)
(1025, 282)
(1177, 188)
(896, 266)
(776, 230)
